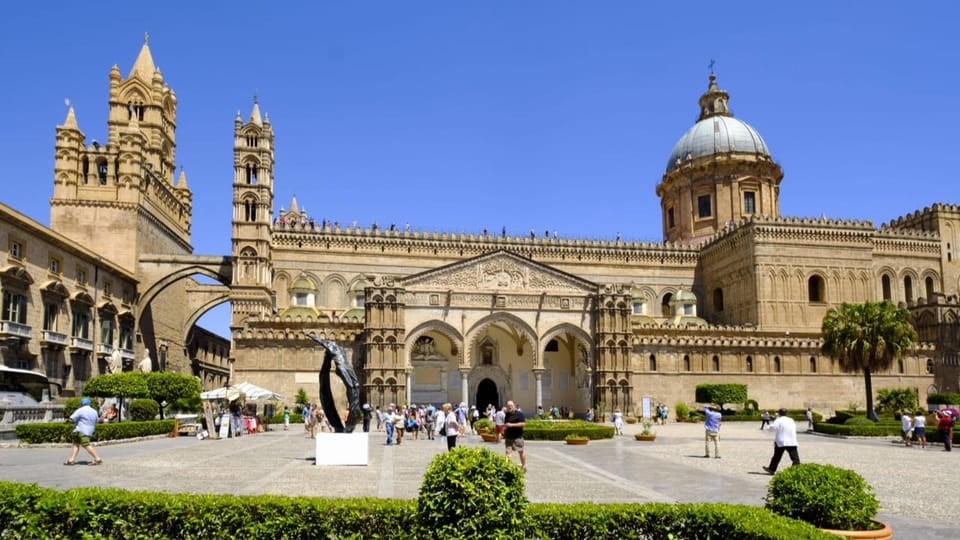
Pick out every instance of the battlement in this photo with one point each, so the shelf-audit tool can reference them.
(914, 220)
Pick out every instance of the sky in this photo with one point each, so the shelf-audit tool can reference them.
(460, 116)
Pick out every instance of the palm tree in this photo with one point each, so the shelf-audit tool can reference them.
(867, 337)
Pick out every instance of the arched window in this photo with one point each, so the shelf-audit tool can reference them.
(653, 362)
(665, 305)
(885, 284)
(716, 363)
(930, 290)
(686, 362)
(776, 364)
(749, 364)
(102, 171)
(718, 299)
(908, 290)
(815, 289)
(929, 365)
(251, 174)
(900, 367)
(813, 364)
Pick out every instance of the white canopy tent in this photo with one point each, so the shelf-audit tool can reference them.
(251, 391)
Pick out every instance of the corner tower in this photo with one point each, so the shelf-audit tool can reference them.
(125, 187)
(719, 172)
(251, 293)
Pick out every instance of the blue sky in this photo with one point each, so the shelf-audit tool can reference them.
(455, 116)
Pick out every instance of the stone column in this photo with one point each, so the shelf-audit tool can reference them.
(464, 389)
(538, 376)
(409, 388)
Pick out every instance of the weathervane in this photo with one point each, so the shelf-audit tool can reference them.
(712, 62)
(146, 38)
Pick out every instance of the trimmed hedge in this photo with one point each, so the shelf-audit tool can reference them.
(295, 418)
(873, 429)
(58, 432)
(943, 398)
(29, 512)
(557, 430)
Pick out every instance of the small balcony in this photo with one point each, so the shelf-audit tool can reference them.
(126, 354)
(10, 329)
(81, 344)
(104, 349)
(49, 338)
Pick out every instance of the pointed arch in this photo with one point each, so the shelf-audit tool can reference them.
(440, 327)
(519, 328)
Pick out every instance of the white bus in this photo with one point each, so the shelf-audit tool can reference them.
(22, 387)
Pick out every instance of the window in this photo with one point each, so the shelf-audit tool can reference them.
(106, 331)
(102, 172)
(54, 265)
(686, 362)
(885, 285)
(688, 309)
(703, 206)
(16, 250)
(107, 288)
(815, 289)
(653, 362)
(749, 364)
(665, 305)
(50, 314)
(126, 337)
(81, 276)
(813, 364)
(908, 290)
(776, 364)
(14, 307)
(670, 221)
(361, 300)
(749, 202)
(81, 324)
(716, 363)
(930, 290)
(718, 299)
(639, 307)
(300, 299)
(929, 365)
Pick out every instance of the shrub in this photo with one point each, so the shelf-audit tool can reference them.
(943, 398)
(721, 393)
(826, 496)
(871, 429)
(631, 419)
(70, 406)
(751, 405)
(295, 418)
(556, 430)
(476, 484)
(55, 432)
(896, 399)
(484, 424)
(682, 410)
(858, 421)
(144, 409)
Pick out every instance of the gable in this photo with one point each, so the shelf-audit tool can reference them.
(499, 271)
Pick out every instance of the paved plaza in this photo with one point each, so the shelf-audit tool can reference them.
(917, 488)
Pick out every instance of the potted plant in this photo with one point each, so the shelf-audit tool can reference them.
(838, 501)
(486, 429)
(576, 438)
(647, 434)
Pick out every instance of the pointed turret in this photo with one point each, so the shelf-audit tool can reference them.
(255, 113)
(715, 101)
(182, 181)
(71, 120)
(144, 63)
(293, 206)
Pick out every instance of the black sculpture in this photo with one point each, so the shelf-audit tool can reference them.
(334, 353)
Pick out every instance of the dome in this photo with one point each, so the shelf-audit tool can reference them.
(717, 135)
(716, 131)
(303, 284)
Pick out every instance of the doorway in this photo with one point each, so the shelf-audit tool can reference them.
(487, 394)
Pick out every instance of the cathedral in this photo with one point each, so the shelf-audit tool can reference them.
(734, 292)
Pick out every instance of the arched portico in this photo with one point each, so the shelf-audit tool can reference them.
(504, 348)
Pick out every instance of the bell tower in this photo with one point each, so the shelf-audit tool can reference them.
(124, 187)
(253, 157)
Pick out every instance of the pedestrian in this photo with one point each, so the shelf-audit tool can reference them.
(439, 419)
(906, 425)
(513, 424)
(588, 416)
(784, 440)
(388, 422)
(452, 429)
(944, 428)
(399, 423)
(617, 420)
(664, 414)
(85, 419)
(474, 416)
(711, 426)
(367, 414)
(809, 419)
(764, 420)
(379, 415)
(461, 413)
(110, 414)
(498, 420)
(920, 429)
(286, 418)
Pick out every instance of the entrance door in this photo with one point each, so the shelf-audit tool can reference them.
(487, 394)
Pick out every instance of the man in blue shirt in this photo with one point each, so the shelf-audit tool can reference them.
(712, 429)
(86, 419)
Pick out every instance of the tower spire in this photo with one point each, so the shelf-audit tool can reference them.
(255, 113)
(71, 121)
(715, 101)
(144, 63)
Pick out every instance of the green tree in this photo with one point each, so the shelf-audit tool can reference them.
(301, 399)
(167, 386)
(896, 399)
(129, 384)
(867, 337)
(721, 393)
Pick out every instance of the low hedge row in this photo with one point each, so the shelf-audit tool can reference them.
(56, 432)
(295, 418)
(557, 430)
(29, 512)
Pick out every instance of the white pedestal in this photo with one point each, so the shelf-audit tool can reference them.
(343, 448)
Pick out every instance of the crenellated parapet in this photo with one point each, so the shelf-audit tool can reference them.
(917, 219)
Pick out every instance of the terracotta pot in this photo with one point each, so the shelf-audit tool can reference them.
(488, 437)
(642, 437)
(577, 441)
(885, 533)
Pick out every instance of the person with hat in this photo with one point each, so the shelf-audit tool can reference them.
(85, 419)
(945, 428)
(785, 440)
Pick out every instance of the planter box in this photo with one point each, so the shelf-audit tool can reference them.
(487, 437)
(641, 437)
(579, 442)
(885, 533)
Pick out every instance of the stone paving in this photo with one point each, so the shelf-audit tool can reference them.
(917, 488)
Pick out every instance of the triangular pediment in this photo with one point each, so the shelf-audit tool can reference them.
(499, 271)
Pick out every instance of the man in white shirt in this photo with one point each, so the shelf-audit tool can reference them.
(907, 425)
(785, 440)
(498, 420)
